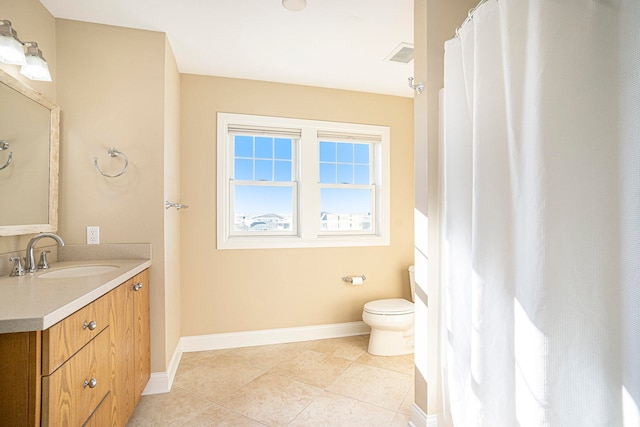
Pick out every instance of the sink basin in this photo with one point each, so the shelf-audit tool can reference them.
(78, 271)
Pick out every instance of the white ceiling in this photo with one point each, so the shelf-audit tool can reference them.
(331, 43)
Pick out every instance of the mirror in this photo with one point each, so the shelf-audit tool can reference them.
(29, 138)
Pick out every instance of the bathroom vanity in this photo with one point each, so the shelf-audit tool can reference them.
(74, 343)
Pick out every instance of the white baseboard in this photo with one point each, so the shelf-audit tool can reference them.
(420, 419)
(158, 383)
(161, 382)
(272, 336)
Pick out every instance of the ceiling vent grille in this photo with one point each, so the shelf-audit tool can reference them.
(402, 53)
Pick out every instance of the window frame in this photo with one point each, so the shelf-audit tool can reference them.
(306, 181)
(373, 166)
(293, 184)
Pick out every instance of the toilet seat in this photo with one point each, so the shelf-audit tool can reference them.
(390, 307)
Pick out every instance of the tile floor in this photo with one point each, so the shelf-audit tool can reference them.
(332, 382)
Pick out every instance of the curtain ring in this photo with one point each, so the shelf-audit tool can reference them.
(112, 153)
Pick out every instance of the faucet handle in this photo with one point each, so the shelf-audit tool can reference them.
(18, 269)
(43, 264)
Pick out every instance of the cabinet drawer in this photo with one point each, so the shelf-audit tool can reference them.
(69, 396)
(66, 337)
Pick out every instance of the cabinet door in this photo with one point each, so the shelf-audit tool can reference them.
(20, 379)
(129, 322)
(122, 352)
(141, 332)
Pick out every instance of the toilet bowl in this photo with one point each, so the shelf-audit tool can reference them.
(391, 322)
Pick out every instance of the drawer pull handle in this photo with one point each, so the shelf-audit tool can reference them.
(91, 325)
(92, 383)
(137, 286)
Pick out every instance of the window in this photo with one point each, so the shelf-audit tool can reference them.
(263, 191)
(301, 183)
(347, 197)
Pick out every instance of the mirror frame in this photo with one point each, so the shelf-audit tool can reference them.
(54, 141)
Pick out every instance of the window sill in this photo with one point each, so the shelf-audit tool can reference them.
(275, 242)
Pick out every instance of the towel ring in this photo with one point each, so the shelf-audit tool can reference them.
(112, 153)
(4, 145)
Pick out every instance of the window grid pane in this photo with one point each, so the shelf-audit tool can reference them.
(282, 171)
(263, 170)
(361, 174)
(243, 146)
(264, 147)
(345, 173)
(243, 169)
(282, 149)
(327, 151)
(344, 163)
(345, 152)
(255, 158)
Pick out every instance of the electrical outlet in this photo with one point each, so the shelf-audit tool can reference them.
(93, 235)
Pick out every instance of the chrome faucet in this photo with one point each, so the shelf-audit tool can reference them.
(30, 263)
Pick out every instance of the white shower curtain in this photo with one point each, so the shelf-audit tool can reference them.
(541, 245)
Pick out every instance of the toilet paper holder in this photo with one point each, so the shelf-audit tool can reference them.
(358, 279)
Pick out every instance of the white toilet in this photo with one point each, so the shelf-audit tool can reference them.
(391, 322)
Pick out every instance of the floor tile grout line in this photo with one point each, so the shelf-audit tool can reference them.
(396, 411)
(361, 401)
(364, 401)
(210, 404)
(321, 390)
(309, 404)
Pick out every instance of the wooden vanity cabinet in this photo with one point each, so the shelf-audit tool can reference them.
(88, 369)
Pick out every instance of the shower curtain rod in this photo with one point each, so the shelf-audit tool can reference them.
(469, 16)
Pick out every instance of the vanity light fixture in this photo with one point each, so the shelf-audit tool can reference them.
(294, 5)
(36, 67)
(12, 51)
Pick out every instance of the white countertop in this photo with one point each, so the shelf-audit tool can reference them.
(32, 303)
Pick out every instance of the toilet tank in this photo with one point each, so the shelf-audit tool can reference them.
(412, 281)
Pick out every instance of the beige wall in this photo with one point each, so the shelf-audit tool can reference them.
(172, 193)
(111, 89)
(245, 290)
(33, 23)
(420, 106)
